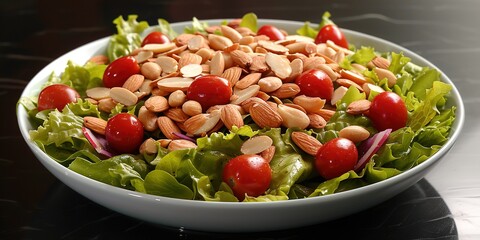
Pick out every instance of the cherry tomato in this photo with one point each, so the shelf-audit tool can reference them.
(315, 83)
(333, 33)
(119, 70)
(388, 110)
(336, 157)
(247, 174)
(155, 37)
(56, 96)
(210, 90)
(124, 133)
(272, 32)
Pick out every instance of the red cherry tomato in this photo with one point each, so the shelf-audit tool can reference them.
(315, 83)
(124, 133)
(247, 174)
(210, 90)
(336, 157)
(272, 32)
(333, 33)
(155, 37)
(56, 96)
(388, 110)
(119, 70)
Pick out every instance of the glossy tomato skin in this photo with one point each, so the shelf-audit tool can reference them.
(333, 33)
(124, 133)
(272, 32)
(56, 96)
(118, 71)
(247, 174)
(155, 37)
(336, 157)
(388, 110)
(210, 90)
(315, 83)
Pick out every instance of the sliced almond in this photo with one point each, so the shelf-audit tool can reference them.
(98, 93)
(353, 76)
(174, 83)
(202, 123)
(189, 58)
(272, 47)
(159, 47)
(307, 143)
(244, 94)
(191, 70)
(279, 65)
(143, 56)
(256, 144)
(196, 43)
(248, 80)
(167, 64)
(338, 94)
(123, 96)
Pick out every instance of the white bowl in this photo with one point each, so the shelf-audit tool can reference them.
(229, 216)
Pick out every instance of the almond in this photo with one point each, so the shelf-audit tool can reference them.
(134, 82)
(358, 107)
(279, 65)
(179, 144)
(157, 104)
(264, 115)
(355, 133)
(307, 143)
(123, 96)
(148, 119)
(268, 153)
(248, 80)
(287, 90)
(95, 124)
(292, 117)
(201, 123)
(167, 127)
(256, 144)
(230, 116)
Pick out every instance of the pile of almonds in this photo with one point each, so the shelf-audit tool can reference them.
(262, 75)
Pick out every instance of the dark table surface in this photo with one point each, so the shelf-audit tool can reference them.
(35, 205)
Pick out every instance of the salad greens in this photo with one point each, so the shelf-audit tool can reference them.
(196, 173)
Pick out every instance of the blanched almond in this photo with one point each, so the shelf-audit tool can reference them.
(167, 64)
(98, 93)
(292, 117)
(179, 144)
(151, 70)
(157, 104)
(148, 119)
(354, 133)
(279, 65)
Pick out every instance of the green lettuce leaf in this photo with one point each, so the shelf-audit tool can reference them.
(127, 38)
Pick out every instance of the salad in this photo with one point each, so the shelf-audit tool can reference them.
(240, 112)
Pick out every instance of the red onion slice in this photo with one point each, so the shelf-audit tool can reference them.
(370, 147)
(98, 142)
